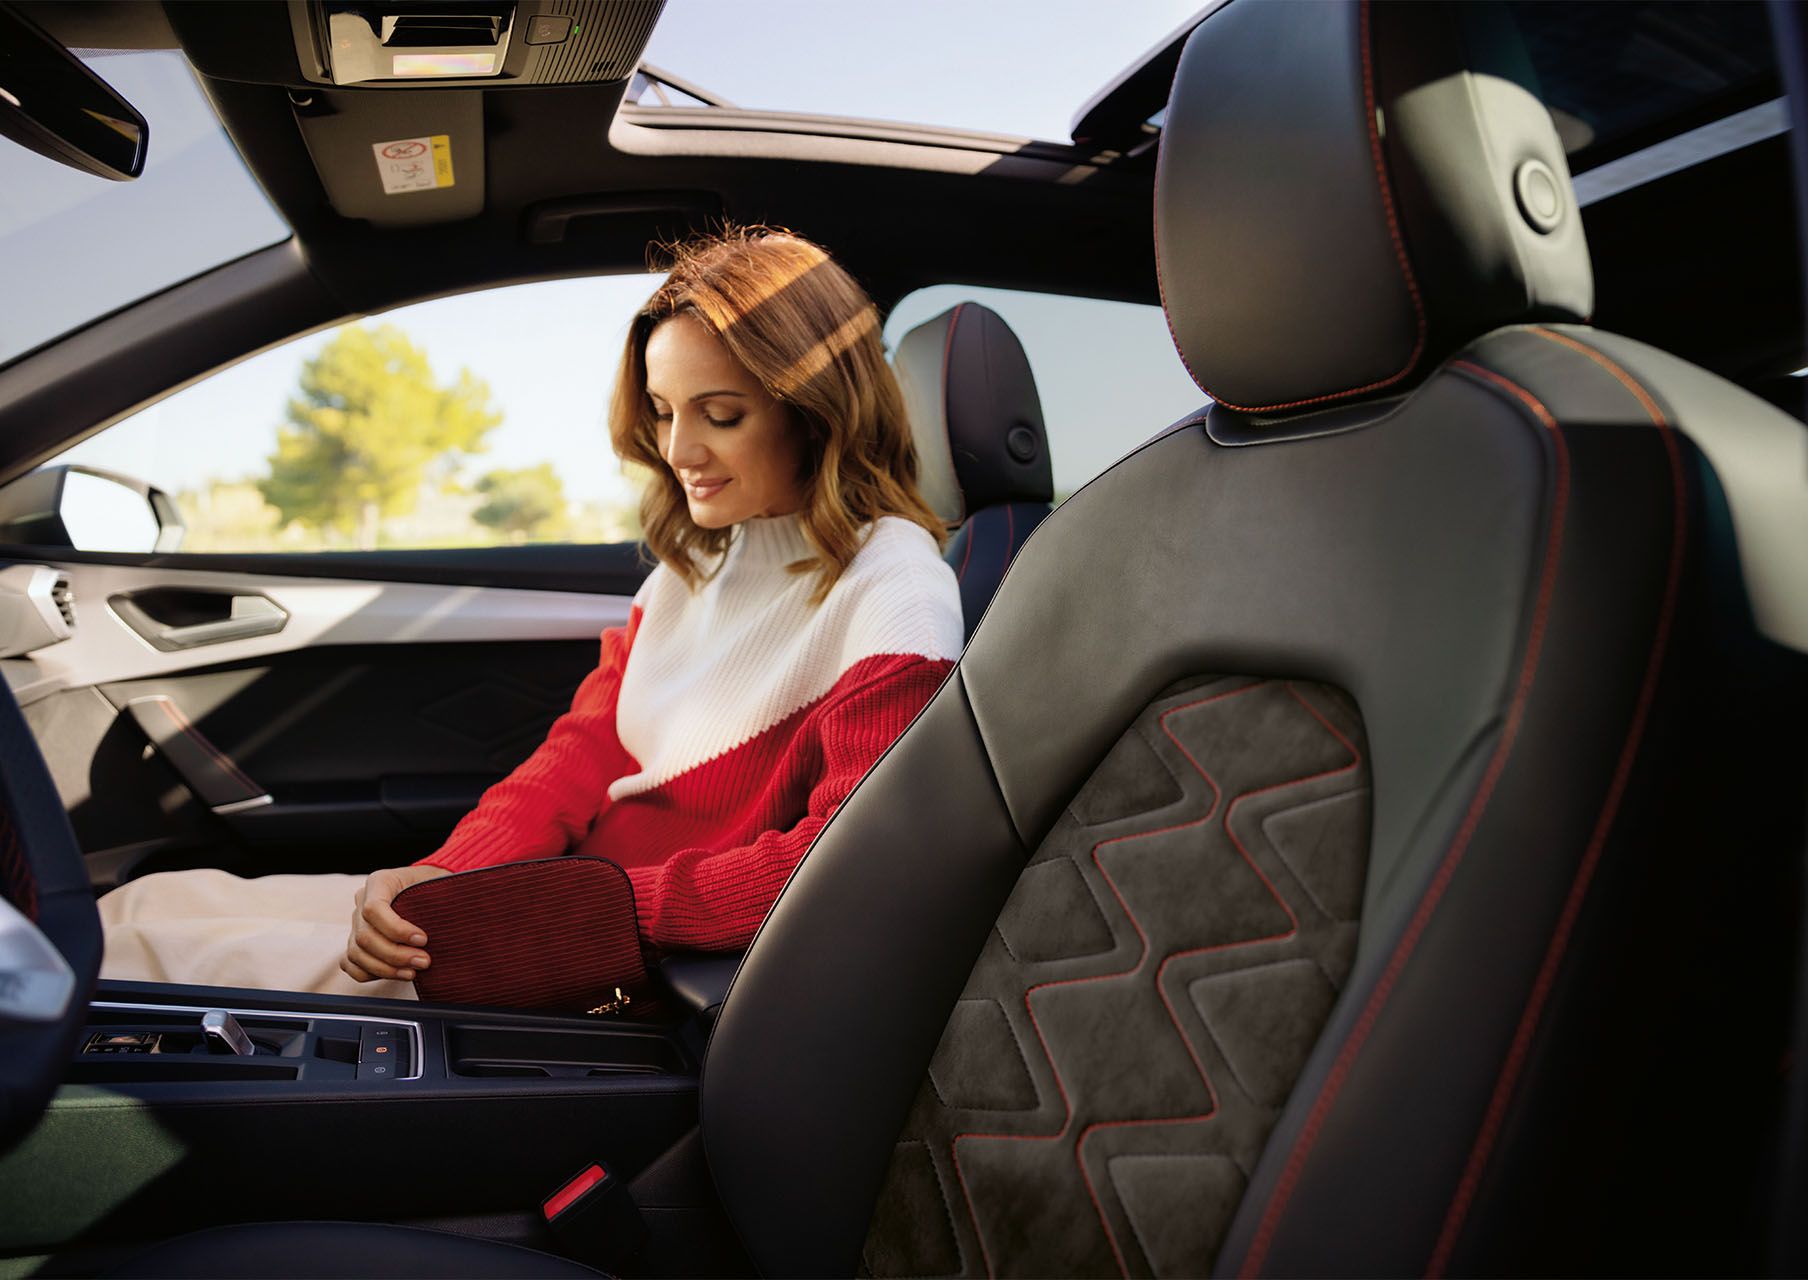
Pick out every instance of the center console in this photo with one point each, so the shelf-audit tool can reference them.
(134, 1043)
(145, 1044)
(186, 1107)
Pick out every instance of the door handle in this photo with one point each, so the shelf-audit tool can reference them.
(170, 619)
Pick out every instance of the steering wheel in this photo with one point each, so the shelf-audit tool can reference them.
(50, 934)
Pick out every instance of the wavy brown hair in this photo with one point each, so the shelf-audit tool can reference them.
(808, 332)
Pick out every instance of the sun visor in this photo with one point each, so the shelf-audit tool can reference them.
(397, 159)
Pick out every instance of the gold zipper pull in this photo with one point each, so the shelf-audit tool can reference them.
(622, 1001)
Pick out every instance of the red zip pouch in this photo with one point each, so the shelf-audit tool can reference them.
(556, 935)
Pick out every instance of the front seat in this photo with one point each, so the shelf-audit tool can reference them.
(981, 443)
(1349, 844)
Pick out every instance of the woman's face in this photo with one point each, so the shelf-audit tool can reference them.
(732, 445)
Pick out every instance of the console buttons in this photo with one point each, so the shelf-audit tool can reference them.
(548, 30)
(382, 1053)
(123, 1042)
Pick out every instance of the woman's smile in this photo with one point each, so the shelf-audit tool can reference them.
(703, 490)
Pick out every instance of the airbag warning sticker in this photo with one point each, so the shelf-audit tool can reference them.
(414, 164)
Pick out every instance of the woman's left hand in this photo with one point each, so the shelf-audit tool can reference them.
(382, 944)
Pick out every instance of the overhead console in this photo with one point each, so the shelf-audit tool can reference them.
(528, 42)
(388, 96)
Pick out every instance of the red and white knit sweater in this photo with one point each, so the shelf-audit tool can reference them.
(724, 726)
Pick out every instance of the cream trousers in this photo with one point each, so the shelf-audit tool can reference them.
(279, 933)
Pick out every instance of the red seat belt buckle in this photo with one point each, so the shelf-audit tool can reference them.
(593, 1218)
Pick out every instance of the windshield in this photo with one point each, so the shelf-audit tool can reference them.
(1019, 67)
(74, 247)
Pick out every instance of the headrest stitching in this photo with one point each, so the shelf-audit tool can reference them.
(1393, 231)
(1161, 289)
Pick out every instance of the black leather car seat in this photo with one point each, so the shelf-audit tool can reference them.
(1352, 842)
(981, 442)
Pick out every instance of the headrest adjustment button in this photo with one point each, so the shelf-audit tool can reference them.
(1540, 195)
(1021, 443)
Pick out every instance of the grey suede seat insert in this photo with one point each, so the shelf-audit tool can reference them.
(1147, 1000)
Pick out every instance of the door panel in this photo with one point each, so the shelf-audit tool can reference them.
(353, 736)
(377, 746)
(106, 648)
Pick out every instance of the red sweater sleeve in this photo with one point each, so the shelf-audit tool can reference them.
(548, 803)
(714, 899)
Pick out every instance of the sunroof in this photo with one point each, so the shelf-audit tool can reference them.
(1018, 67)
(1620, 75)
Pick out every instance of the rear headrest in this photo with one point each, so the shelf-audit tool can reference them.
(1347, 193)
(974, 413)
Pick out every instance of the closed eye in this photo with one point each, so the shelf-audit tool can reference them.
(714, 422)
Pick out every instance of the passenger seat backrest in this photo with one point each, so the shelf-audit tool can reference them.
(1345, 848)
(982, 448)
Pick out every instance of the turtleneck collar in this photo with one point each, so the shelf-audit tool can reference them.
(770, 540)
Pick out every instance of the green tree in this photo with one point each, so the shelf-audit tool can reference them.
(368, 427)
(522, 503)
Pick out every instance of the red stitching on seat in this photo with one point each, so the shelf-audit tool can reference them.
(1520, 1049)
(17, 883)
(1161, 970)
(967, 552)
(1434, 892)
(1393, 231)
(1161, 290)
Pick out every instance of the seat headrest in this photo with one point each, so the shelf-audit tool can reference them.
(1347, 193)
(974, 413)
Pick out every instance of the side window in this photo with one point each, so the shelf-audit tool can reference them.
(474, 420)
(1107, 372)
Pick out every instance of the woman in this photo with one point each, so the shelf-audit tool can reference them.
(799, 617)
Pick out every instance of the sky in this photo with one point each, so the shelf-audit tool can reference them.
(548, 350)
(1004, 66)
(74, 246)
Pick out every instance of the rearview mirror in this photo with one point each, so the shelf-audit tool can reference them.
(54, 105)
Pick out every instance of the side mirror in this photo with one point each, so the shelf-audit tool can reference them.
(54, 105)
(87, 509)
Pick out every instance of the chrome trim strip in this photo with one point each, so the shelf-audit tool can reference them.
(414, 1028)
(239, 806)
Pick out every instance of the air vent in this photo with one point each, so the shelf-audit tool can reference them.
(64, 598)
(36, 608)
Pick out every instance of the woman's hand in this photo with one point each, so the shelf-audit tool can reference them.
(382, 944)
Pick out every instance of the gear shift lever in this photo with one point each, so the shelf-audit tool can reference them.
(224, 1034)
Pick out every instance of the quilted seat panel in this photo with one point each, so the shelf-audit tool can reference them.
(1148, 998)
